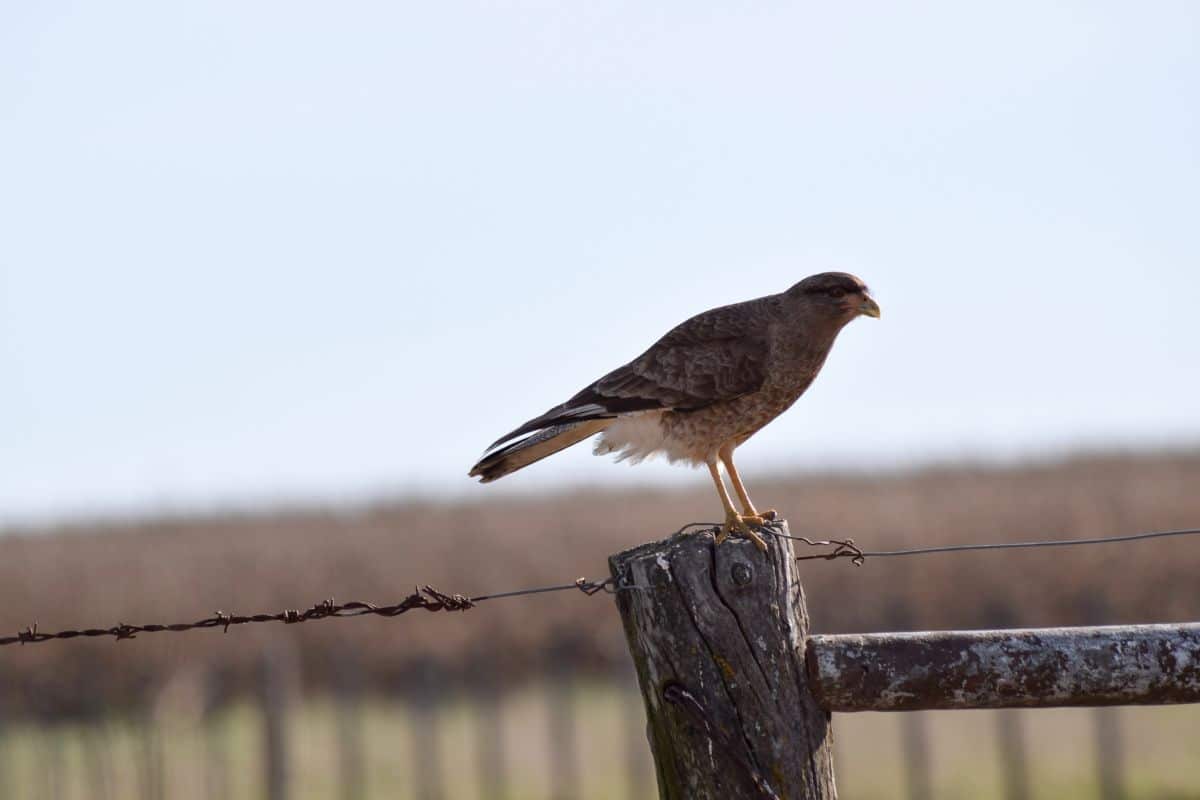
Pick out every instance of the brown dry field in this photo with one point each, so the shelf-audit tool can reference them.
(169, 570)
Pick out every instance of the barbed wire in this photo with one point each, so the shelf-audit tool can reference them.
(427, 598)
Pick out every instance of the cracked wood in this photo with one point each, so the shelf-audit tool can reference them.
(717, 634)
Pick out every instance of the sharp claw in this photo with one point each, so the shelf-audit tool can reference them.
(743, 526)
(758, 540)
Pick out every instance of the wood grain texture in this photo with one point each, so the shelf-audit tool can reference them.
(717, 636)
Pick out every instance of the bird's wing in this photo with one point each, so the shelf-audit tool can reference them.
(717, 355)
(699, 363)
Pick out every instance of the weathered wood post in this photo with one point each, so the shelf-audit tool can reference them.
(914, 730)
(717, 636)
(561, 719)
(279, 682)
(348, 693)
(217, 695)
(5, 767)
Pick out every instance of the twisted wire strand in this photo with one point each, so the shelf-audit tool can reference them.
(427, 598)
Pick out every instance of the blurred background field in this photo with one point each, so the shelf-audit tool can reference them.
(273, 273)
(190, 758)
(534, 693)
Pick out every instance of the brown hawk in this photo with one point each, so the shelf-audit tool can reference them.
(700, 391)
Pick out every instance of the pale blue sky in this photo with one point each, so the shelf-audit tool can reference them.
(290, 250)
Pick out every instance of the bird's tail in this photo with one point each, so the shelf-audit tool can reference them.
(535, 447)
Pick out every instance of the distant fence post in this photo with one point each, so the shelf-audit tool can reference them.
(352, 766)
(278, 681)
(152, 773)
(424, 695)
(1110, 756)
(914, 728)
(97, 757)
(1014, 760)
(5, 767)
(1110, 750)
(53, 763)
(717, 635)
(1010, 732)
(489, 733)
(216, 748)
(560, 708)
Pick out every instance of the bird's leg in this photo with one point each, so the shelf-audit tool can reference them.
(734, 522)
(751, 515)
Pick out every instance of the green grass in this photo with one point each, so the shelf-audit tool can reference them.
(106, 760)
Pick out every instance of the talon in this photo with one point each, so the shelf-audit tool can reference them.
(770, 515)
(759, 542)
(742, 526)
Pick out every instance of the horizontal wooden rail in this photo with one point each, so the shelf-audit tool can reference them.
(1034, 668)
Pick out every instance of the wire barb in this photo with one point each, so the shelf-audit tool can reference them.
(430, 599)
(425, 597)
(843, 548)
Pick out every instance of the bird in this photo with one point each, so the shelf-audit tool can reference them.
(700, 391)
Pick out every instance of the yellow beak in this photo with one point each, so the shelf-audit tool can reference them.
(869, 307)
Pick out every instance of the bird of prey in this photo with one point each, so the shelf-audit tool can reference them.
(701, 390)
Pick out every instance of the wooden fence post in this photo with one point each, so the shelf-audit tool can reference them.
(561, 721)
(153, 772)
(717, 635)
(1012, 750)
(1110, 750)
(914, 730)
(348, 694)
(1110, 755)
(425, 691)
(490, 759)
(279, 684)
(1014, 756)
(52, 766)
(97, 758)
(216, 741)
(5, 767)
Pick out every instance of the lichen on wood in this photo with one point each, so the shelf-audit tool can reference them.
(1094, 666)
(717, 636)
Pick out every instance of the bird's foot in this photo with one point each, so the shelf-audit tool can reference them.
(761, 519)
(743, 526)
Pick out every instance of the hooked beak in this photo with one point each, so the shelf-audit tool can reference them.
(869, 307)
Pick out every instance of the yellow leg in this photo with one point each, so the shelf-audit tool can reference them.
(743, 495)
(734, 522)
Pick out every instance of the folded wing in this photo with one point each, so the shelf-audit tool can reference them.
(714, 356)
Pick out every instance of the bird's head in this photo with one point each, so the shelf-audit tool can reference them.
(837, 295)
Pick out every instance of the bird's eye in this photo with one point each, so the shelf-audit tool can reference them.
(837, 293)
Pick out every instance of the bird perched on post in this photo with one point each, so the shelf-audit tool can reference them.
(702, 390)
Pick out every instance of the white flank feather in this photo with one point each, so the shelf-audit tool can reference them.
(638, 436)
